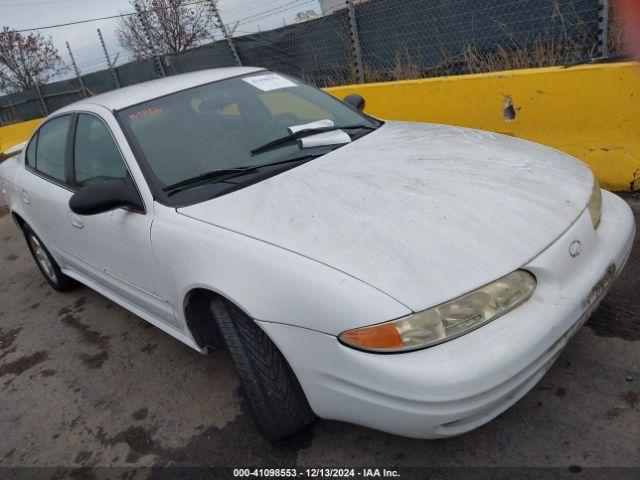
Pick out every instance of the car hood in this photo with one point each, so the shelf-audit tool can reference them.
(422, 212)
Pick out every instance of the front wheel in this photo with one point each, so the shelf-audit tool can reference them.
(277, 399)
(47, 265)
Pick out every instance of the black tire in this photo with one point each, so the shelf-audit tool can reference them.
(279, 404)
(51, 270)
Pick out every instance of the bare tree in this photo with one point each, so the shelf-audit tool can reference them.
(27, 60)
(173, 26)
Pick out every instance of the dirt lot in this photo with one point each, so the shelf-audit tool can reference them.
(84, 383)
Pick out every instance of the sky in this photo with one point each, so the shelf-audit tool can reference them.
(252, 15)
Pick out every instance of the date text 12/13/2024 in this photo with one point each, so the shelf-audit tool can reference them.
(315, 473)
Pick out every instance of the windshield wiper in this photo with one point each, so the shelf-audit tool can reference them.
(297, 158)
(235, 172)
(306, 133)
(213, 175)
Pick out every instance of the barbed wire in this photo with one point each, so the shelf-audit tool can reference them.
(271, 12)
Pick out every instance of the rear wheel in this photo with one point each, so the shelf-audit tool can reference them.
(47, 265)
(277, 399)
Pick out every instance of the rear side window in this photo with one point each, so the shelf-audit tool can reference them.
(30, 154)
(51, 148)
(96, 155)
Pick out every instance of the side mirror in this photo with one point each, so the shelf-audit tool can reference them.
(106, 196)
(355, 100)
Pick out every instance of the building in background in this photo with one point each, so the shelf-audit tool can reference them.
(327, 7)
(304, 16)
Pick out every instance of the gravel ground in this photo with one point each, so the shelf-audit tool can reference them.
(83, 383)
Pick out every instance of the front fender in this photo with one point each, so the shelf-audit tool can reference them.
(269, 283)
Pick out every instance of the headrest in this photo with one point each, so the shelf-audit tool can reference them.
(216, 102)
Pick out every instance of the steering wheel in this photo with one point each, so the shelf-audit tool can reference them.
(279, 122)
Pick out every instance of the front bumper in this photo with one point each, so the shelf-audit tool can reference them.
(457, 386)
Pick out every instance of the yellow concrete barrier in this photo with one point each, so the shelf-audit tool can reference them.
(18, 133)
(591, 112)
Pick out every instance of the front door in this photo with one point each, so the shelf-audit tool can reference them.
(113, 249)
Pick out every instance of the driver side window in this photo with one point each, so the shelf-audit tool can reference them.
(96, 155)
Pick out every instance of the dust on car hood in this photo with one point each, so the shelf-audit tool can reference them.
(422, 212)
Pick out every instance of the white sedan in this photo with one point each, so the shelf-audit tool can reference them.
(413, 278)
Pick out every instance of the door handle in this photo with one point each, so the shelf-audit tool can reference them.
(76, 221)
(25, 197)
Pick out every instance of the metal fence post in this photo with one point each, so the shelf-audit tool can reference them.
(157, 61)
(43, 103)
(114, 73)
(225, 32)
(603, 28)
(77, 70)
(355, 42)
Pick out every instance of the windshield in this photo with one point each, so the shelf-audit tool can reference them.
(216, 126)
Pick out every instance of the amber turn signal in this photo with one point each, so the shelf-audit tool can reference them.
(383, 337)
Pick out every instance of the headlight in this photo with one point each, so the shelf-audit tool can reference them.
(447, 321)
(595, 204)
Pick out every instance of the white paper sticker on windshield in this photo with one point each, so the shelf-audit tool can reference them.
(269, 81)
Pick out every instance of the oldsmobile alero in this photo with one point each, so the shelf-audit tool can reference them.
(413, 278)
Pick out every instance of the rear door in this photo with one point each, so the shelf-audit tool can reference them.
(43, 186)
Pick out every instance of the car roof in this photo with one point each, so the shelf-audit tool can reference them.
(142, 92)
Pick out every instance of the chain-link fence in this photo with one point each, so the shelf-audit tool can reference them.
(317, 50)
(458, 36)
(367, 41)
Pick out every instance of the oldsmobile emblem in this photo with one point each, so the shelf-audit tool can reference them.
(575, 248)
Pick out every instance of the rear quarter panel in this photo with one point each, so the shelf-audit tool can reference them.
(8, 174)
